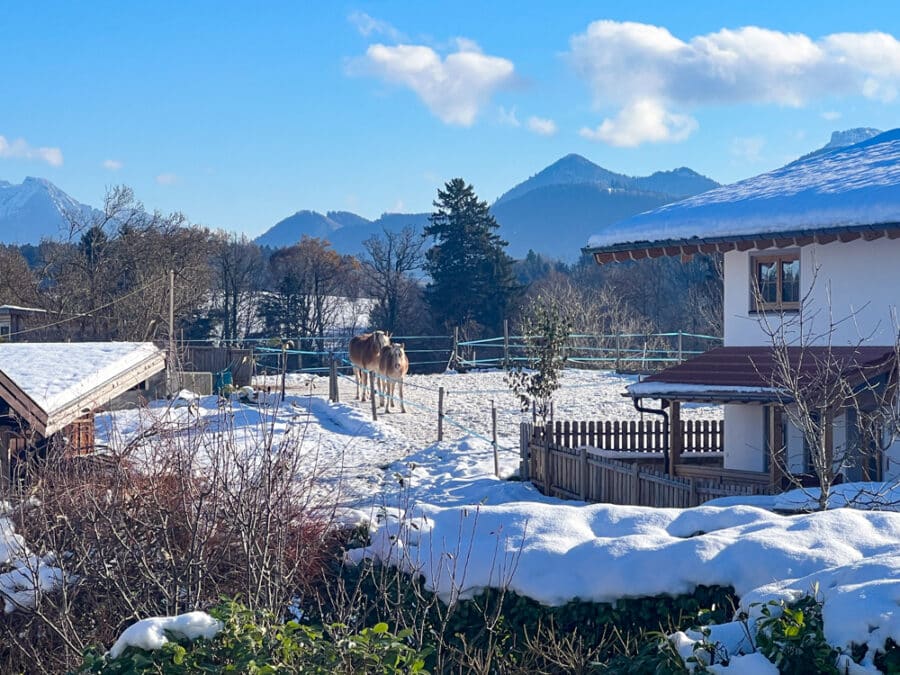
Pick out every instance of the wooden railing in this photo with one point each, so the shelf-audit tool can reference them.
(638, 435)
(567, 464)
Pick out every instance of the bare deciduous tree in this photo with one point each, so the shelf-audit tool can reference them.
(391, 258)
(817, 380)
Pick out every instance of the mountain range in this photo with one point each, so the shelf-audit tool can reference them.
(36, 209)
(553, 212)
(570, 198)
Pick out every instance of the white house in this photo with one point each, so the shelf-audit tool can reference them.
(817, 239)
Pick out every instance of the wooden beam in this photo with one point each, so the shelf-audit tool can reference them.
(847, 237)
(676, 436)
(872, 235)
(23, 405)
(776, 444)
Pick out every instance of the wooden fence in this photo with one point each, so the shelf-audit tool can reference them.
(638, 435)
(217, 359)
(570, 466)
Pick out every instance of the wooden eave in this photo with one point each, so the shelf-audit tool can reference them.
(686, 248)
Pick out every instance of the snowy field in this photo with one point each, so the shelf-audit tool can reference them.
(433, 505)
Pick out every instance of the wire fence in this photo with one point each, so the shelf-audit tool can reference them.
(623, 352)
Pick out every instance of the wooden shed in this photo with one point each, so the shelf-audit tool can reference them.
(55, 388)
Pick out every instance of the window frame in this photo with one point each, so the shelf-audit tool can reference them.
(757, 304)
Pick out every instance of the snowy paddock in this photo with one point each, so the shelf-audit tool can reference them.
(438, 510)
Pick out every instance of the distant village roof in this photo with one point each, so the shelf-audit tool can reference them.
(52, 384)
(8, 309)
(748, 374)
(847, 193)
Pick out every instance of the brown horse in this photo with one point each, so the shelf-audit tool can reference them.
(392, 366)
(365, 350)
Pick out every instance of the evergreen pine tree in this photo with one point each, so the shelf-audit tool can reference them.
(471, 274)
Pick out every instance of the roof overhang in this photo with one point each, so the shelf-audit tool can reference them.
(687, 248)
(746, 374)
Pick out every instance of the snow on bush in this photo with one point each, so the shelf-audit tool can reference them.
(150, 633)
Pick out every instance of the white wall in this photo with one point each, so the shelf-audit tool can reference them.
(744, 437)
(849, 276)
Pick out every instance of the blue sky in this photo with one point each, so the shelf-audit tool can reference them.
(239, 114)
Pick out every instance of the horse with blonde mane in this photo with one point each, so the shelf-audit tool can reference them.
(365, 351)
(392, 366)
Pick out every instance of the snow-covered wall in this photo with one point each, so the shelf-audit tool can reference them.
(857, 282)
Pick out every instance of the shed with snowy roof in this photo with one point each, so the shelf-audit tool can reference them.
(811, 253)
(52, 388)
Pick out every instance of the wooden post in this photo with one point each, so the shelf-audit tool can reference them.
(533, 412)
(494, 438)
(283, 368)
(618, 351)
(170, 370)
(776, 445)
(526, 433)
(636, 485)
(454, 354)
(680, 346)
(5, 470)
(440, 414)
(372, 392)
(335, 393)
(693, 492)
(506, 343)
(675, 435)
(548, 479)
(585, 470)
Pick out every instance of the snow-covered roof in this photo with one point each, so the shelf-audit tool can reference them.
(850, 187)
(15, 308)
(50, 384)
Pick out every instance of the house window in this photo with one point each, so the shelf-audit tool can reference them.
(776, 281)
(4, 331)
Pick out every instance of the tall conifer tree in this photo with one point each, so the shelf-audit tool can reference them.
(471, 274)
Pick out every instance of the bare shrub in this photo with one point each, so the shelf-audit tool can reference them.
(187, 514)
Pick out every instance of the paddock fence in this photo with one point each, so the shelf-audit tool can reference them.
(623, 352)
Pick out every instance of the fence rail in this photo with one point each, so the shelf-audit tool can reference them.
(627, 352)
(568, 465)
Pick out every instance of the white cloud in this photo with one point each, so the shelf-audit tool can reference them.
(628, 63)
(20, 149)
(112, 164)
(508, 117)
(831, 115)
(166, 179)
(454, 88)
(398, 207)
(542, 126)
(368, 25)
(642, 121)
(748, 148)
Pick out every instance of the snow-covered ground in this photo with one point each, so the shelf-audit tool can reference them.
(438, 509)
